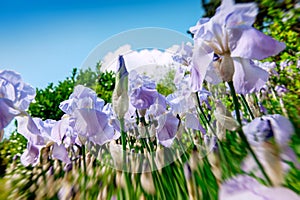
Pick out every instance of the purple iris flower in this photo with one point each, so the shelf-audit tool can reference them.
(15, 96)
(244, 187)
(263, 128)
(143, 91)
(259, 133)
(230, 35)
(167, 129)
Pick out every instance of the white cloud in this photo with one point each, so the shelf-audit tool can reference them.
(154, 62)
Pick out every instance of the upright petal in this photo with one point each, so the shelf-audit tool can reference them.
(247, 77)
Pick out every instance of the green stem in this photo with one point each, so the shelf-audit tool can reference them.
(203, 113)
(84, 172)
(247, 106)
(242, 134)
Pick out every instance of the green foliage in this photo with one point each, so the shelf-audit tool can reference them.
(87, 77)
(166, 85)
(46, 105)
(9, 148)
(105, 85)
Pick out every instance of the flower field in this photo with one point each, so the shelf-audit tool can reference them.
(224, 124)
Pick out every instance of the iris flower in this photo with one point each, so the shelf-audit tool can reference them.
(143, 91)
(229, 40)
(269, 136)
(15, 96)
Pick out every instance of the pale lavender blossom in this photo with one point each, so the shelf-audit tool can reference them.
(82, 97)
(243, 187)
(181, 100)
(60, 152)
(230, 35)
(15, 96)
(184, 54)
(39, 133)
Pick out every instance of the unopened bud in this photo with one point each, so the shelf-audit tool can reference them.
(120, 98)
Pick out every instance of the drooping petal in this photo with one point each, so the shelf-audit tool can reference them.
(60, 152)
(167, 129)
(93, 125)
(248, 78)
(212, 75)
(61, 129)
(247, 42)
(30, 155)
(191, 121)
(28, 128)
(202, 57)
(7, 112)
(282, 128)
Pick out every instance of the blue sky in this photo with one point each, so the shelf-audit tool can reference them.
(45, 40)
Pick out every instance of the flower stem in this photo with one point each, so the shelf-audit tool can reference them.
(242, 134)
(84, 172)
(203, 113)
(247, 106)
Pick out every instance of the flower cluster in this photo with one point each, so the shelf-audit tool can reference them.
(197, 119)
